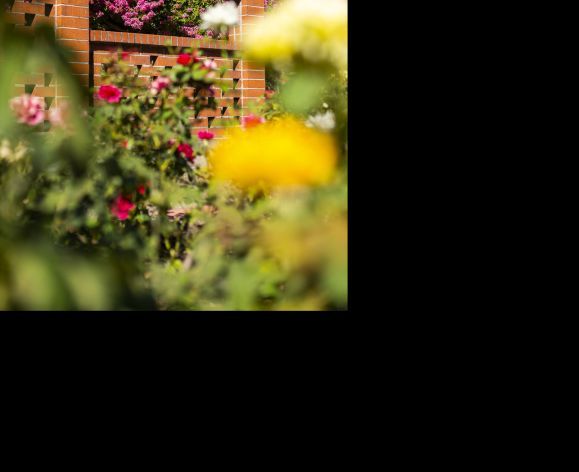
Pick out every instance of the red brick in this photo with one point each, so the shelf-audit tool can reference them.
(22, 7)
(66, 10)
(75, 45)
(74, 23)
(254, 84)
(70, 33)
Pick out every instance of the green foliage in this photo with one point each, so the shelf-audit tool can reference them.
(186, 243)
(37, 270)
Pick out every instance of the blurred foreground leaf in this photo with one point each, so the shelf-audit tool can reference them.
(303, 91)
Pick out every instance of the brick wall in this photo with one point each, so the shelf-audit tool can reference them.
(24, 16)
(148, 52)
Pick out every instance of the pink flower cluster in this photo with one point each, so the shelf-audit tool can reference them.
(134, 13)
(169, 17)
(192, 31)
(155, 16)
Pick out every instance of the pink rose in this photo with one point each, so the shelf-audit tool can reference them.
(160, 84)
(207, 135)
(122, 207)
(110, 93)
(209, 64)
(29, 109)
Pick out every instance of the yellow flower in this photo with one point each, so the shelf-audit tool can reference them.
(282, 153)
(312, 30)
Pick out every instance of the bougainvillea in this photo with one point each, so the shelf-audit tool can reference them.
(171, 17)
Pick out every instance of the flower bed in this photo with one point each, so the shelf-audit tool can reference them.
(128, 205)
(167, 17)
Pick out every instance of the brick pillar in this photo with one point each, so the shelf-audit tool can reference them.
(235, 32)
(72, 30)
(252, 74)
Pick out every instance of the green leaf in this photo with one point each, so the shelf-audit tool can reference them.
(303, 92)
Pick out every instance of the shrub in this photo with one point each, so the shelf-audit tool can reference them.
(128, 207)
(170, 17)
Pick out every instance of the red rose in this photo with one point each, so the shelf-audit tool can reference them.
(110, 93)
(184, 59)
(186, 151)
(141, 189)
(208, 135)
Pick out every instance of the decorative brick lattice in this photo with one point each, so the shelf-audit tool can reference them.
(148, 53)
(70, 19)
(26, 16)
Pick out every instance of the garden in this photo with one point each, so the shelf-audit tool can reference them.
(112, 200)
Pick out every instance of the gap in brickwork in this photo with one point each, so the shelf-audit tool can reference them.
(29, 19)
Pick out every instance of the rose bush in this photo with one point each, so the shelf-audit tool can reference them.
(126, 205)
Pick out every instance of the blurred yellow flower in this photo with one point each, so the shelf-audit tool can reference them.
(10, 153)
(281, 153)
(314, 30)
